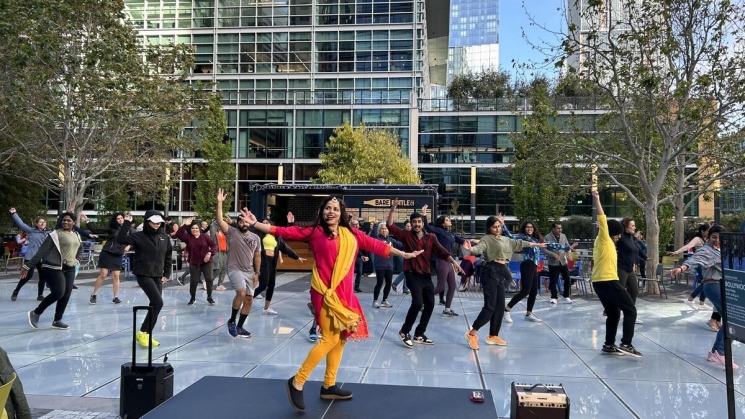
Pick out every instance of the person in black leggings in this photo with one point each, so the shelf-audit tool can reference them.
(60, 252)
(151, 265)
(628, 256)
(270, 255)
(383, 266)
(529, 275)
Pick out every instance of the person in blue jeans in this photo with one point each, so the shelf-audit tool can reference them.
(401, 276)
(709, 259)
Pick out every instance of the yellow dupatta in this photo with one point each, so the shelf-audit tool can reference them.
(342, 317)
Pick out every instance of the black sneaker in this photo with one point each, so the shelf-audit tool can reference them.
(449, 313)
(116, 300)
(407, 292)
(630, 350)
(92, 300)
(40, 298)
(192, 301)
(33, 319)
(612, 350)
(443, 302)
(74, 287)
(14, 296)
(57, 324)
(424, 340)
(295, 396)
(357, 290)
(210, 301)
(335, 393)
(406, 339)
(180, 280)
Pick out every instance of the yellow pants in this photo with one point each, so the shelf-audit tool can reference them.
(331, 346)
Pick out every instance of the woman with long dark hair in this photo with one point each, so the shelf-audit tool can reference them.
(497, 250)
(59, 254)
(445, 271)
(110, 258)
(529, 275)
(201, 250)
(334, 244)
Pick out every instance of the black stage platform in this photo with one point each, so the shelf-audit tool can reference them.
(230, 397)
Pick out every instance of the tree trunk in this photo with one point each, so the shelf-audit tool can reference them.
(679, 205)
(653, 244)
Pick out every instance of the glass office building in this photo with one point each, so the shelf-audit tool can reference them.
(290, 71)
(473, 44)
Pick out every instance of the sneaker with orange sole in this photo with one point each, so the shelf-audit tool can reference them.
(495, 340)
(473, 341)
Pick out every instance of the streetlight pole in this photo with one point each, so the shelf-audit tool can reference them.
(473, 201)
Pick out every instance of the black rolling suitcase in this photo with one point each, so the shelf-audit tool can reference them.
(143, 386)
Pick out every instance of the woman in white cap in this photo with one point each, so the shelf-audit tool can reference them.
(151, 264)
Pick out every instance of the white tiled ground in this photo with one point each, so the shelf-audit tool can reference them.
(673, 380)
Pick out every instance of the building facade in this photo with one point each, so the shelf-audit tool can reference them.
(290, 71)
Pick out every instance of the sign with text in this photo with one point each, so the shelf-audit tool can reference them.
(733, 286)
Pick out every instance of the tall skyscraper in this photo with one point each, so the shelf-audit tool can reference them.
(474, 37)
(290, 71)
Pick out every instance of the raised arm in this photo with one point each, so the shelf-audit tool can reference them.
(596, 202)
(19, 222)
(389, 220)
(221, 196)
(183, 232)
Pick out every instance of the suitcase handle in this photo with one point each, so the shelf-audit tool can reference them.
(149, 310)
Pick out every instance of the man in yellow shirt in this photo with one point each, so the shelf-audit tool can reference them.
(612, 295)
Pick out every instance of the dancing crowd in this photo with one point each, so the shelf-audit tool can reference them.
(247, 251)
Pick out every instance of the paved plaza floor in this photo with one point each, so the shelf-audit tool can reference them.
(75, 373)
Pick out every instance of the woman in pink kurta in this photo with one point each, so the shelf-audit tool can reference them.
(335, 245)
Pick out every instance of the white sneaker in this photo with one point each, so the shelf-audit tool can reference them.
(372, 275)
(507, 317)
(204, 287)
(638, 321)
(567, 300)
(691, 304)
(532, 317)
(553, 301)
(375, 304)
(269, 312)
(258, 297)
(386, 304)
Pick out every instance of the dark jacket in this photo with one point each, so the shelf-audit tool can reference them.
(628, 252)
(49, 253)
(381, 263)
(152, 250)
(16, 406)
(111, 245)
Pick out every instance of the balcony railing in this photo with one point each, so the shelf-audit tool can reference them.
(507, 104)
